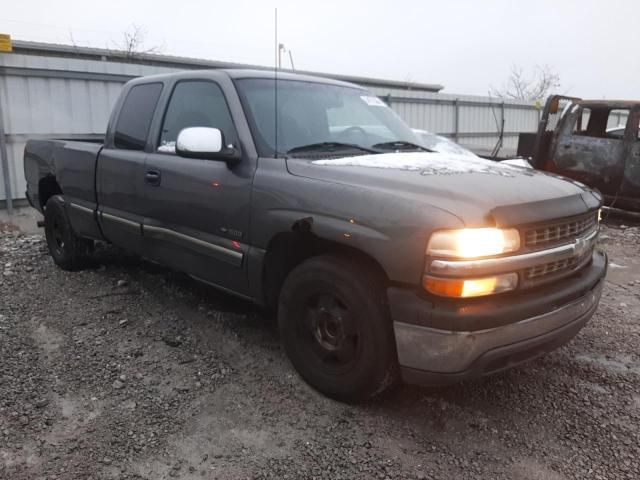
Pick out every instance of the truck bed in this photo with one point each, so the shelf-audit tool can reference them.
(71, 162)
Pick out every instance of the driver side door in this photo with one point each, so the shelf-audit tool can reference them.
(197, 211)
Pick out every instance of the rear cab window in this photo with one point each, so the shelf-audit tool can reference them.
(603, 123)
(136, 114)
(617, 124)
(196, 103)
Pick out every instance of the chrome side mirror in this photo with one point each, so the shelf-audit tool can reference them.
(199, 142)
(204, 142)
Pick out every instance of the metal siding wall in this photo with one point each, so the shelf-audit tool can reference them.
(479, 118)
(54, 107)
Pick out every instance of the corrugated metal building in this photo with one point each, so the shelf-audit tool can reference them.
(49, 91)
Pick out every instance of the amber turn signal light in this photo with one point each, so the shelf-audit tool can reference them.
(467, 288)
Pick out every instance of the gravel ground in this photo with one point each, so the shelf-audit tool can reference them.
(131, 371)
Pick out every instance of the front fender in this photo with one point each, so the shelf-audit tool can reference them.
(390, 227)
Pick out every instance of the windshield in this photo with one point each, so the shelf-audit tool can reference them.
(317, 113)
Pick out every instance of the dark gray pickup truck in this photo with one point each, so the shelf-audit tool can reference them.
(312, 198)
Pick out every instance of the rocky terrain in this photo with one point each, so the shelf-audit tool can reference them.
(131, 371)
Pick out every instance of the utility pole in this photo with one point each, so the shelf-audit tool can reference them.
(4, 159)
(280, 50)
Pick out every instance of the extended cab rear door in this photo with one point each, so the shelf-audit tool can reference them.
(121, 163)
(197, 211)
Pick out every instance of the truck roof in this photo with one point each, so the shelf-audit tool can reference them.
(609, 104)
(247, 73)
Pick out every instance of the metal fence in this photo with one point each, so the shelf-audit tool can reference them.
(58, 91)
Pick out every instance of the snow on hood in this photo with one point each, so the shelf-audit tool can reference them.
(518, 162)
(448, 147)
(427, 163)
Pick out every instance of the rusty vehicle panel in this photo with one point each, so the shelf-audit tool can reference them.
(594, 142)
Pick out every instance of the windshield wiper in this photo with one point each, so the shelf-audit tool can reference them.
(400, 145)
(328, 147)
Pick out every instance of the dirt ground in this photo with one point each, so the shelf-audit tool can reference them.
(131, 371)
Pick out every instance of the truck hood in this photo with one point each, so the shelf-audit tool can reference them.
(477, 191)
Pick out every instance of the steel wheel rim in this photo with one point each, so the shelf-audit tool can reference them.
(330, 332)
(58, 234)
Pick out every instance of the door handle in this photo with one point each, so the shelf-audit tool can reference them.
(152, 177)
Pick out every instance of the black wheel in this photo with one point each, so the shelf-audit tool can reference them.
(68, 250)
(336, 328)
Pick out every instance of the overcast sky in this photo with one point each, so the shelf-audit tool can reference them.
(466, 45)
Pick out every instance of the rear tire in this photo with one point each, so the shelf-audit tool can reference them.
(336, 328)
(68, 250)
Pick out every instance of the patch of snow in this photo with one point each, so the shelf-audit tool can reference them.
(447, 146)
(615, 265)
(518, 162)
(167, 147)
(427, 163)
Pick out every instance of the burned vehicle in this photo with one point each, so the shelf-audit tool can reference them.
(380, 258)
(592, 141)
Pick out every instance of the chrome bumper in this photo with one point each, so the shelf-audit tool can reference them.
(461, 354)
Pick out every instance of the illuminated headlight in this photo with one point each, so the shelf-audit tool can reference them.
(473, 242)
(467, 288)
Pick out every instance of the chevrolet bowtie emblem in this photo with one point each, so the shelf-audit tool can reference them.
(581, 246)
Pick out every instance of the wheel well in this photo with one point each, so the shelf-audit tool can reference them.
(47, 188)
(287, 250)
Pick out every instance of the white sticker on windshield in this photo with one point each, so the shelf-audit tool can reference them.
(373, 101)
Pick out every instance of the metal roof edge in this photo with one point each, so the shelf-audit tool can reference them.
(104, 54)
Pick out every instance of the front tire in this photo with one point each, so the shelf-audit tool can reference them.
(336, 328)
(68, 250)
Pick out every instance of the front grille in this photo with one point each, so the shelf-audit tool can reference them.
(563, 231)
(556, 268)
(550, 268)
(548, 272)
(555, 233)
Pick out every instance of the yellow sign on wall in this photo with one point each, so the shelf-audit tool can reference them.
(5, 43)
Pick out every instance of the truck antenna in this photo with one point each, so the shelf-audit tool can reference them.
(275, 73)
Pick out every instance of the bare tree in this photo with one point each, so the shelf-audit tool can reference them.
(533, 88)
(133, 42)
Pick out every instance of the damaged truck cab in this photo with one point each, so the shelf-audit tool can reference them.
(310, 197)
(593, 141)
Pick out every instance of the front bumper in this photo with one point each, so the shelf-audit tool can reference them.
(433, 352)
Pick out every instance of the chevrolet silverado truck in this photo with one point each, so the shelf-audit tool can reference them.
(381, 259)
